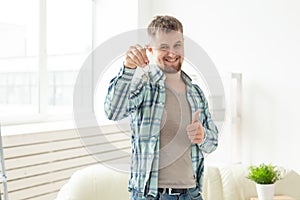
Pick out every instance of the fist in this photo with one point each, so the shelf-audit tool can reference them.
(195, 130)
(136, 57)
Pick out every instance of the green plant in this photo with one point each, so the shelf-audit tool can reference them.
(264, 174)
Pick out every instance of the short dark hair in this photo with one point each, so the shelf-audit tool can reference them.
(165, 24)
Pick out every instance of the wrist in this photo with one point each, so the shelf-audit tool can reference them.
(126, 65)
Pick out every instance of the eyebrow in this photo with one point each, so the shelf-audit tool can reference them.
(164, 44)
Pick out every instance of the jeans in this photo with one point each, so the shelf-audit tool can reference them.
(192, 194)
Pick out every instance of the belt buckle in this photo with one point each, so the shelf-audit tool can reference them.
(170, 192)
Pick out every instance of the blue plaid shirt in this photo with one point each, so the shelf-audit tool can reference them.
(143, 101)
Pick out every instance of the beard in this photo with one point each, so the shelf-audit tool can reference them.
(171, 69)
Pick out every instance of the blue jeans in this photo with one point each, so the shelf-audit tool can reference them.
(192, 194)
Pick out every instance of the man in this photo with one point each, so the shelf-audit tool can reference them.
(170, 122)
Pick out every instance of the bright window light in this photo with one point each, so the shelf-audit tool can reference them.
(68, 30)
(18, 58)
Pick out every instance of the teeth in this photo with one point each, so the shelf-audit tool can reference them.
(171, 60)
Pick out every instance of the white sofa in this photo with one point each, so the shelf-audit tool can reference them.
(99, 182)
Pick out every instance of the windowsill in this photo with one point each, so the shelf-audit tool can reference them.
(44, 126)
(27, 128)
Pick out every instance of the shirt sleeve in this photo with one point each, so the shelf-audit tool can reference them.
(210, 141)
(116, 103)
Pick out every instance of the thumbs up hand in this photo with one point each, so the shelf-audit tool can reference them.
(195, 130)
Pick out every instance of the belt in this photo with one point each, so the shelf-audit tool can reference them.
(172, 191)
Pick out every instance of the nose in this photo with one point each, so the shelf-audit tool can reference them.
(172, 53)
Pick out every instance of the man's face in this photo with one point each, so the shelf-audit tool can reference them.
(168, 51)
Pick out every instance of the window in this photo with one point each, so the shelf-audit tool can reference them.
(18, 58)
(42, 49)
(69, 42)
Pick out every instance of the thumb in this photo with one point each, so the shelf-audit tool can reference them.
(196, 116)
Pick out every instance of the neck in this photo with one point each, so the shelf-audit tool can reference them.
(173, 76)
(175, 81)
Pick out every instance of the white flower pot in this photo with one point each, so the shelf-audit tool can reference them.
(265, 192)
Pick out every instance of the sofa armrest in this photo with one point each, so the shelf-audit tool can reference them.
(212, 187)
(94, 183)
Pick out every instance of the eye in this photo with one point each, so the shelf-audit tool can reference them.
(178, 45)
(164, 47)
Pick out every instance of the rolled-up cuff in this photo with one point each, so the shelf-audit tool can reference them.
(126, 74)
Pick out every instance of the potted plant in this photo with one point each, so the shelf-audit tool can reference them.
(265, 177)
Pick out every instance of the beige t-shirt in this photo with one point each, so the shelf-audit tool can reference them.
(175, 163)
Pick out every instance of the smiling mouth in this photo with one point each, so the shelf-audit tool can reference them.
(171, 60)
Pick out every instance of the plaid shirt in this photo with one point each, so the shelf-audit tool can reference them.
(143, 101)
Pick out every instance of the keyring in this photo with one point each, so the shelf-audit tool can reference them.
(145, 76)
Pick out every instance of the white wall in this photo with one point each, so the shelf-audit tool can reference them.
(261, 39)
(114, 17)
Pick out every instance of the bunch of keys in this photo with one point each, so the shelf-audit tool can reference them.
(145, 76)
